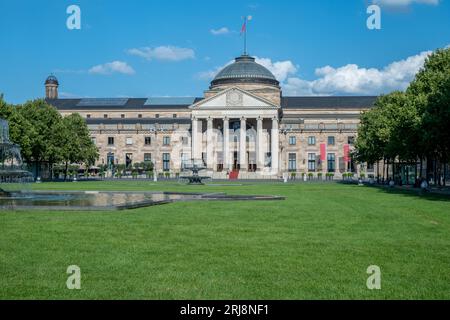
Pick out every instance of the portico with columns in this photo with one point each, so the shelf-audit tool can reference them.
(236, 131)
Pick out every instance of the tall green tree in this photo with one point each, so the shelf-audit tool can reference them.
(413, 125)
(76, 143)
(44, 141)
(430, 94)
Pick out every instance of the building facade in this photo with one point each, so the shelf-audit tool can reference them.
(242, 126)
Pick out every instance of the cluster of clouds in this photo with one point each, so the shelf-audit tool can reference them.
(161, 53)
(352, 79)
(349, 79)
(112, 67)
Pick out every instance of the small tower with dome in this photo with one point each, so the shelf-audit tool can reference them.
(51, 87)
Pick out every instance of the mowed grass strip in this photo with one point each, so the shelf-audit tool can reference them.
(317, 244)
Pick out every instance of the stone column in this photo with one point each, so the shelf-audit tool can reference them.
(199, 140)
(243, 145)
(259, 145)
(194, 138)
(209, 145)
(226, 144)
(275, 145)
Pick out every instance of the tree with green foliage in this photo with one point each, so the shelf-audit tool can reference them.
(414, 125)
(76, 143)
(430, 94)
(45, 142)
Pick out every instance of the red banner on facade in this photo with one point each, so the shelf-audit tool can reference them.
(346, 153)
(323, 152)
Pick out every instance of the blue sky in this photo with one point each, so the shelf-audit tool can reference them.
(140, 48)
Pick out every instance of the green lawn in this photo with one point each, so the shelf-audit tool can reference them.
(317, 244)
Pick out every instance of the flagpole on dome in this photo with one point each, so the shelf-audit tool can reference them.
(244, 31)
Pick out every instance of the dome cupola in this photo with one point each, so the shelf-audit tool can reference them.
(244, 70)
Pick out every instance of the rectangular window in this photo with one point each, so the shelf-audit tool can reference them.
(351, 140)
(122, 116)
(311, 162)
(174, 115)
(129, 141)
(147, 157)
(110, 141)
(292, 162)
(292, 140)
(140, 116)
(156, 116)
(88, 116)
(331, 162)
(312, 141)
(184, 141)
(148, 141)
(166, 140)
(110, 159)
(105, 116)
(184, 159)
(331, 141)
(166, 161)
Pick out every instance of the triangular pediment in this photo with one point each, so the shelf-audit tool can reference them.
(234, 98)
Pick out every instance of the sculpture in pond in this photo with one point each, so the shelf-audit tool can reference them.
(13, 175)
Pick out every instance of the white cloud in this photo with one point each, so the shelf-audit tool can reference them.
(221, 31)
(280, 69)
(403, 3)
(112, 67)
(166, 53)
(354, 80)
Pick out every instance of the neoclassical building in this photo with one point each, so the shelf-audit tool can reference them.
(242, 127)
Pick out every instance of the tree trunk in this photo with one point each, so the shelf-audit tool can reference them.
(386, 170)
(421, 168)
(445, 171)
(378, 172)
(435, 171)
(66, 169)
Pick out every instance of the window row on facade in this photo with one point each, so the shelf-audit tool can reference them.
(124, 116)
(331, 140)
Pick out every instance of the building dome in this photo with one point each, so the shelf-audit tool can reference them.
(51, 80)
(244, 71)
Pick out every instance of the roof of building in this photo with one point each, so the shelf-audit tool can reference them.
(244, 70)
(123, 103)
(343, 102)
